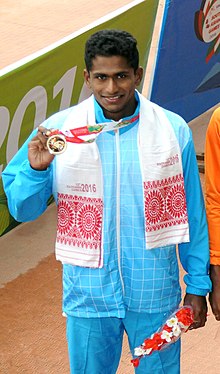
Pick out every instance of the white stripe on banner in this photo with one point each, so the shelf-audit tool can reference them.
(52, 46)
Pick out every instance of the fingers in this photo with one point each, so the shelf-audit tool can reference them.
(199, 305)
(37, 144)
(43, 135)
(216, 314)
(38, 154)
(215, 304)
(40, 140)
(194, 326)
(44, 131)
(214, 296)
(197, 324)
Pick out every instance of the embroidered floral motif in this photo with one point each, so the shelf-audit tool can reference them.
(176, 203)
(79, 221)
(154, 206)
(65, 217)
(88, 221)
(165, 203)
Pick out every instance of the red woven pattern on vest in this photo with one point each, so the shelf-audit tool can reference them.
(165, 203)
(79, 221)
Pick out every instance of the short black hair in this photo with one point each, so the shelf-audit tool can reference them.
(111, 42)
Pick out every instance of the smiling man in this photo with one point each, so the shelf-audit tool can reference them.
(125, 179)
(113, 83)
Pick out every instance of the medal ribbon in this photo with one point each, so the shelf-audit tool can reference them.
(73, 136)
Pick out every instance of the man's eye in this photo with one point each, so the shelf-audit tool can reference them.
(101, 77)
(121, 76)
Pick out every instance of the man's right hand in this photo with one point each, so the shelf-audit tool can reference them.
(38, 154)
(214, 296)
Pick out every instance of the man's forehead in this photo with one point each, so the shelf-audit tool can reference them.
(116, 64)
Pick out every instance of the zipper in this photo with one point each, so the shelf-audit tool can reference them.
(118, 198)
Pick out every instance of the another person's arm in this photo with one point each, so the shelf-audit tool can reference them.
(212, 175)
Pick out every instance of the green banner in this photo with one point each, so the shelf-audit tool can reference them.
(53, 81)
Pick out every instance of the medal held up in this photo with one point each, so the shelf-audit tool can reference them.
(56, 144)
(57, 140)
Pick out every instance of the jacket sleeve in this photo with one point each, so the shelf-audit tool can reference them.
(212, 175)
(194, 256)
(27, 190)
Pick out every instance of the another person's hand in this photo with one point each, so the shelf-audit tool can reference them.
(214, 296)
(38, 154)
(199, 306)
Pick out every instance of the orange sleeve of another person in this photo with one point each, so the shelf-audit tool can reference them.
(212, 183)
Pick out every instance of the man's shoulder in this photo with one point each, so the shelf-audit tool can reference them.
(180, 127)
(175, 118)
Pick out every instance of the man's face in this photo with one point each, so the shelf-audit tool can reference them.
(113, 83)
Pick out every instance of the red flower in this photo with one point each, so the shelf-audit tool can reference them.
(178, 321)
(154, 343)
(167, 328)
(135, 362)
(148, 343)
(185, 316)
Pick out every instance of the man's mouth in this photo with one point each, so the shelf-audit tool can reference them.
(112, 99)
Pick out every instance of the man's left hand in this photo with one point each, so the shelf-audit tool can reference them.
(199, 305)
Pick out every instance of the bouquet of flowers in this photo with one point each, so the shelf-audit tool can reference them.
(169, 333)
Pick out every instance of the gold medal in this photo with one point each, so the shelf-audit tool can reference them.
(56, 144)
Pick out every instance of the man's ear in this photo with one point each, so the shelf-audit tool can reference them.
(138, 75)
(87, 78)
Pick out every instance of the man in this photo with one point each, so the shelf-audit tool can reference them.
(212, 168)
(128, 191)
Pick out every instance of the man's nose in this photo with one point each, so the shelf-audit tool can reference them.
(112, 86)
